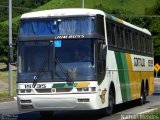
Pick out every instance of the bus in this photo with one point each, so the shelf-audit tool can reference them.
(114, 65)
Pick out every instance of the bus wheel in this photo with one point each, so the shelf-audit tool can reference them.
(142, 99)
(46, 115)
(109, 109)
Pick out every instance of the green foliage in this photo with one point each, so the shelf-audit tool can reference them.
(125, 9)
(155, 30)
(155, 10)
(19, 7)
(3, 42)
(136, 6)
(4, 39)
(155, 26)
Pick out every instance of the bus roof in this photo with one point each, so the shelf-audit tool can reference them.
(127, 24)
(62, 12)
(78, 12)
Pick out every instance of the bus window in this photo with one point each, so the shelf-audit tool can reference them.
(113, 34)
(101, 69)
(142, 43)
(134, 41)
(138, 41)
(122, 37)
(151, 49)
(147, 44)
(130, 40)
(100, 24)
(126, 39)
(118, 39)
(109, 33)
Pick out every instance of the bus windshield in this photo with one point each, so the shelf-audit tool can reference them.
(76, 59)
(35, 57)
(57, 26)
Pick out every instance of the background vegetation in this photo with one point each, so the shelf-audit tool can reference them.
(144, 13)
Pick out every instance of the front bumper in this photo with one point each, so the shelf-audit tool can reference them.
(58, 102)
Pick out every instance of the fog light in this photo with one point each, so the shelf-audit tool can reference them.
(26, 106)
(83, 100)
(22, 91)
(25, 101)
(28, 90)
(53, 90)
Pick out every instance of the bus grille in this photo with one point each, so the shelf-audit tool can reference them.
(64, 89)
(43, 90)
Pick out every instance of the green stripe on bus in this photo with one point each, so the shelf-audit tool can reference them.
(64, 85)
(123, 76)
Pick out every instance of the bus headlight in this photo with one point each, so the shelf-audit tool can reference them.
(93, 89)
(25, 91)
(86, 89)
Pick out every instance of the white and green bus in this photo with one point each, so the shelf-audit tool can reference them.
(81, 59)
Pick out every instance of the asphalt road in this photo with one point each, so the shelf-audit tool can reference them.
(9, 110)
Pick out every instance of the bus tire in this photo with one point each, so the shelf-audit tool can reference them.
(46, 115)
(142, 99)
(109, 110)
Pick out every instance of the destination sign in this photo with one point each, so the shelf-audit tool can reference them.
(68, 36)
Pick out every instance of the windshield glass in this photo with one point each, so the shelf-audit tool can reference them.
(58, 60)
(62, 26)
(77, 59)
(35, 57)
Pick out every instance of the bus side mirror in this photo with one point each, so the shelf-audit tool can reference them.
(104, 52)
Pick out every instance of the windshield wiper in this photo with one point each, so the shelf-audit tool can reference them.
(39, 73)
(63, 70)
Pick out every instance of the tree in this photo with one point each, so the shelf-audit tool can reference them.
(155, 10)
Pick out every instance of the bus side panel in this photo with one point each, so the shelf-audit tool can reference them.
(141, 71)
(133, 76)
(113, 76)
(123, 76)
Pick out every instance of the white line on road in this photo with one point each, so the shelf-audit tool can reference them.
(147, 111)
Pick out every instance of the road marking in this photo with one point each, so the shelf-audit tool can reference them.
(147, 111)
(7, 102)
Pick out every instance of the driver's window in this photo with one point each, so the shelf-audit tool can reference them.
(101, 61)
